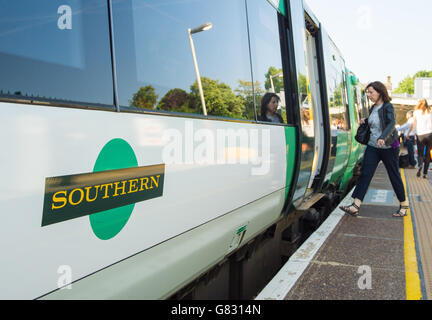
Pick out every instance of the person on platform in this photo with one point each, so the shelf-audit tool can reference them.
(410, 138)
(423, 125)
(383, 146)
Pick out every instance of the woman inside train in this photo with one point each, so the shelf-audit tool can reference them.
(269, 105)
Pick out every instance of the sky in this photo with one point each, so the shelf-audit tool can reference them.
(379, 38)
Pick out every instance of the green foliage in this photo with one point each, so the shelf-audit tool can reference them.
(303, 85)
(423, 74)
(246, 92)
(144, 98)
(407, 84)
(176, 100)
(219, 98)
(277, 81)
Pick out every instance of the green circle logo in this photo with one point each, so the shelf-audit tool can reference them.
(116, 154)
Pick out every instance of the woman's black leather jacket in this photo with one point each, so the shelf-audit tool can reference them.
(388, 121)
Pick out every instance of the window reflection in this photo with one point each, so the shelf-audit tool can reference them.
(364, 103)
(335, 106)
(337, 94)
(347, 126)
(306, 110)
(357, 104)
(155, 66)
(55, 50)
(266, 56)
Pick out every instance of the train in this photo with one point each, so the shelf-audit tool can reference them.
(135, 164)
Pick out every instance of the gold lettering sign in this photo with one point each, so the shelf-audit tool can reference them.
(73, 196)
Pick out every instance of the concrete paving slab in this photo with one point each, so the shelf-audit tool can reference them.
(345, 282)
(391, 229)
(380, 197)
(358, 251)
(374, 211)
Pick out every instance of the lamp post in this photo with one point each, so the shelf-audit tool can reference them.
(279, 75)
(203, 27)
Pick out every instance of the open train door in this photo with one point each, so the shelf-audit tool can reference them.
(316, 88)
(313, 138)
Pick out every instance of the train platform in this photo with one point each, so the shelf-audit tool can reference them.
(370, 257)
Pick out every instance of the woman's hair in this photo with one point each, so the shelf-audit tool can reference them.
(423, 105)
(266, 100)
(381, 89)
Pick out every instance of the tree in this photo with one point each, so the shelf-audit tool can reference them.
(144, 98)
(175, 100)
(249, 94)
(278, 83)
(407, 84)
(219, 98)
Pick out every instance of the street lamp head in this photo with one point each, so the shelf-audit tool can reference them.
(203, 27)
(278, 75)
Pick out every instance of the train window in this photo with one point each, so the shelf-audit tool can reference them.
(336, 103)
(358, 105)
(56, 50)
(336, 90)
(266, 54)
(154, 59)
(346, 104)
(365, 103)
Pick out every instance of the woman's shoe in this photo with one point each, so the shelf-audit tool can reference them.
(419, 172)
(425, 176)
(402, 212)
(352, 209)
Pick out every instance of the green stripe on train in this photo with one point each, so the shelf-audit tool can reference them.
(291, 150)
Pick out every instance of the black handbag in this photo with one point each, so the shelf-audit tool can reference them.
(363, 134)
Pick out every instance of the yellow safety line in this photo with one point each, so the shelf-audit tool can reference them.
(412, 277)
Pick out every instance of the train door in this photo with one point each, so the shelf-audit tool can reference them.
(315, 116)
(354, 119)
(338, 111)
(308, 73)
(301, 100)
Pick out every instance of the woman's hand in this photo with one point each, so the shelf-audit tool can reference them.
(381, 143)
(362, 121)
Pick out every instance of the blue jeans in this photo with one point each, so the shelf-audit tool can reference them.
(409, 144)
(372, 157)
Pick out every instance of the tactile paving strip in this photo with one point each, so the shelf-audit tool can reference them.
(420, 196)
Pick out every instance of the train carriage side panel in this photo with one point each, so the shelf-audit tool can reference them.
(192, 195)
